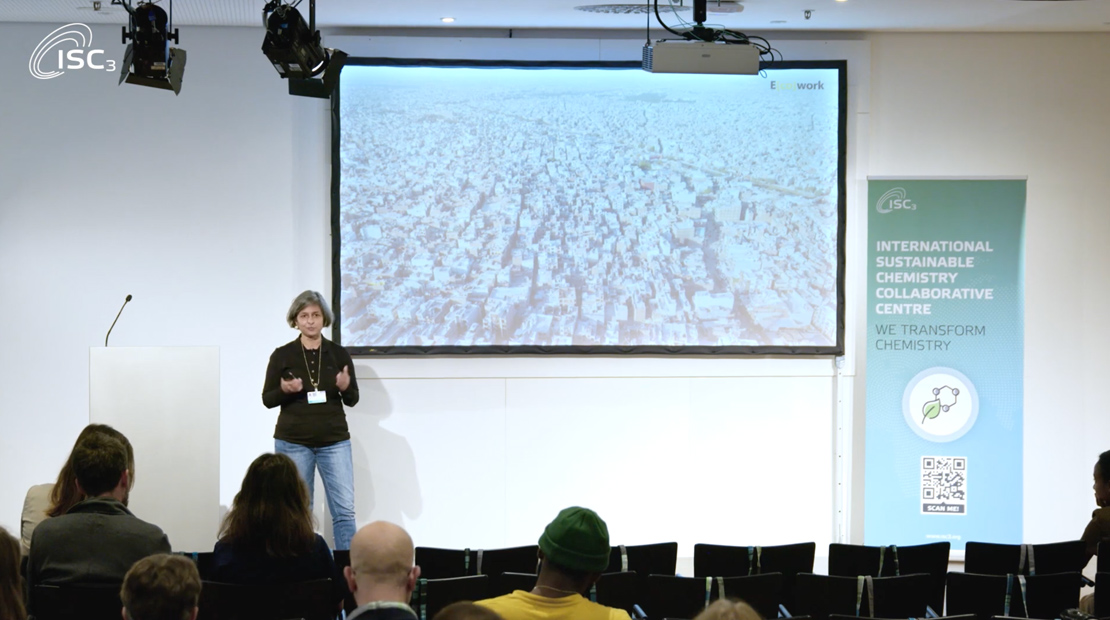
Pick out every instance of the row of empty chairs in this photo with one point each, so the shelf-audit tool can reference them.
(884, 582)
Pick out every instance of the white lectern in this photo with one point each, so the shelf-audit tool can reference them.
(166, 400)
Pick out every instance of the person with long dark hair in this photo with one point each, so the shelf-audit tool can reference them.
(267, 536)
(11, 587)
(311, 379)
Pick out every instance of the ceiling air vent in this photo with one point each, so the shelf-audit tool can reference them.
(624, 9)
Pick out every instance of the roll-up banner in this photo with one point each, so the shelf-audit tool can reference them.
(945, 314)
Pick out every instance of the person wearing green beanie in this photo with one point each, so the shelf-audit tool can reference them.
(574, 551)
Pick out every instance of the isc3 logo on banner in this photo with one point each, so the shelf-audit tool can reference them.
(894, 200)
(45, 65)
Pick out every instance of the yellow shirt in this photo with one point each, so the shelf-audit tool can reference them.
(521, 605)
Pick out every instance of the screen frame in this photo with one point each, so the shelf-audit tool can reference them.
(652, 350)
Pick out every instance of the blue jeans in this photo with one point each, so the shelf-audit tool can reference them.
(338, 473)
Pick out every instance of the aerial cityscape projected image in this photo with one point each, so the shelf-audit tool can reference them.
(587, 207)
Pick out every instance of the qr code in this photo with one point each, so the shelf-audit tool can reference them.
(944, 485)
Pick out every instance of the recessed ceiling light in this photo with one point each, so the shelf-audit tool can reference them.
(447, 20)
(841, 0)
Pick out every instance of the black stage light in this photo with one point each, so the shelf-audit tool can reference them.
(294, 48)
(149, 60)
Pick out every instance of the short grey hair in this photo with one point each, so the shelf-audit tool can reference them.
(304, 300)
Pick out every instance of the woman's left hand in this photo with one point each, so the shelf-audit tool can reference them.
(343, 380)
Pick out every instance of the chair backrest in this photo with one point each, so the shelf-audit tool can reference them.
(1104, 557)
(435, 594)
(76, 602)
(667, 596)
(656, 559)
(438, 563)
(730, 561)
(903, 596)
(763, 592)
(1046, 559)
(1102, 601)
(892, 561)
(494, 562)
(203, 560)
(619, 590)
(310, 600)
(818, 596)
(1043, 596)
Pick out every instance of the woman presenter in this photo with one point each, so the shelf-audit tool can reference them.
(311, 379)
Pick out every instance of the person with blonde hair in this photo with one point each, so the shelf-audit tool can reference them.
(44, 501)
(311, 379)
(729, 609)
(161, 587)
(11, 588)
(267, 536)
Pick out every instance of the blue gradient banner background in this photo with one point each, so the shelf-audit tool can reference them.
(944, 361)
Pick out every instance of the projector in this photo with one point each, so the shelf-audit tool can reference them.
(701, 57)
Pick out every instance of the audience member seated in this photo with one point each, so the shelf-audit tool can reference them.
(466, 610)
(11, 588)
(574, 550)
(726, 609)
(267, 536)
(161, 587)
(1098, 529)
(53, 500)
(97, 540)
(382, 574)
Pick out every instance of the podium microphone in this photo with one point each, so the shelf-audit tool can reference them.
(117, 318)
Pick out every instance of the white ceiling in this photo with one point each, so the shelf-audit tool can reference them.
(853, 15)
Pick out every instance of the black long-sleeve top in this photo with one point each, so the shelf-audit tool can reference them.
(299, 422)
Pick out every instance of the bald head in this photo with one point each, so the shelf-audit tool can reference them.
(382, 564)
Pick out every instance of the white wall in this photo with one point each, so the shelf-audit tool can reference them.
(212, 209)
(1035, 105)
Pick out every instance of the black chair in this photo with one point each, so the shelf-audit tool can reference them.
(1103, 557)
(76, 602)
(435, 594)
(1044, 596)
(203, 560)
(904, 596)
(998, 559)
(656, 559)
(494, 562)
(666, 596)
(729, 561)
(1102, 602)
(437, 563)
(343, 560)
(892, 561)
(310, 600)
(619, 590)
(763, 592)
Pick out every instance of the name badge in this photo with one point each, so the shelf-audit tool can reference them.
(317, 397)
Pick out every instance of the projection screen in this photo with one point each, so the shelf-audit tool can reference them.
(597, 208)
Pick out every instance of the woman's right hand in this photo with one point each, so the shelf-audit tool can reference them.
(291, 386)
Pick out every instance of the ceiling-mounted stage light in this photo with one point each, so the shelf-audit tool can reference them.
(149, 60)
(294, 49)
